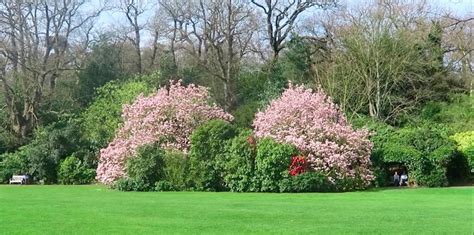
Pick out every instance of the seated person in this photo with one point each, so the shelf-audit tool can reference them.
(404, 179)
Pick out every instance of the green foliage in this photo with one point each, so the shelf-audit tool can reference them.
(272, 162)
(464, 140)
(275, 82)
(425, 150)
(73, 171)
(240, 163)
(61, 104)
(306, 182)
(148, 165)
(102, 118)
(459, 169)
(131, 184)
(465, 145)
(457, 113)
(12, 164)
(49, 147)
(176, 169)
(245, 114)
(8, 141)
(300, 56)
(249, 86)
(385, 72)
(164, 186)
(167, 68)
(206, 155)
(469, 153)
(102, 65)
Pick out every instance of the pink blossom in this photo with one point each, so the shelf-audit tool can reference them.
(169, 115)
(313, 123)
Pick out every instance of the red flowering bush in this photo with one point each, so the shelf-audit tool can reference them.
(169, 116)
(298, 165)
(313, 123)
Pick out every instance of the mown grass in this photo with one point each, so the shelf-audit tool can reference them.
(96, 209)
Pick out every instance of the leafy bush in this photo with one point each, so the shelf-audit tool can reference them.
(457, 114)
(169, 116)
(465, 144)
(315, 125)
(102, 118)
(8, 141)
(206, 155)
(148, 165)
(12, 164)
(469, 153)
(73, 171)
(164, 186)
(272, 163)
(101, 66)
(306, 182)
(49, 147)
(131, 184)
(425, 150)
(458, 170)
(176, 169)
(245, 114)
(240, 163)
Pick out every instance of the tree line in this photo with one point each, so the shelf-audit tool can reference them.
(384, 60)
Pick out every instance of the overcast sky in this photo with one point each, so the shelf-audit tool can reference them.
(113, 19)
(458, 7)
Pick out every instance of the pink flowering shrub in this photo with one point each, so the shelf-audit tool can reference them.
(312, 122)
(169, 115)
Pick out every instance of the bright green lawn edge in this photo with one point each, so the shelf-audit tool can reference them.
(98, 210)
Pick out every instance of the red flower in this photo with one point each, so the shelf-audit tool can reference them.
(298, 165)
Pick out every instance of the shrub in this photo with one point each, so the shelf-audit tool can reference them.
(458, 170)
(272, 163)
(176, 169)
(8, 141)
(298, 165)
(148, 165)
(73, 171)
(245, 114)
(102, 118)
(240, 163)
(313, 123)
(457, 114)
(306, 182)
(49, 147)
(425, 150)
(164, 186)
(469, 153)
(101, 66)
(169, 116)
(131, 184)
(206, 155)
(12, 164)
(465, 144)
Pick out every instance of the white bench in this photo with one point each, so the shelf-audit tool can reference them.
(19, 179)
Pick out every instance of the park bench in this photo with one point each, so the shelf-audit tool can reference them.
(19, 179)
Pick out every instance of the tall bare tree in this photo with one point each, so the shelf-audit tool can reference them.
(216, 34)
(459, 47)
(281, 17)
(133, 11)
(37, 39)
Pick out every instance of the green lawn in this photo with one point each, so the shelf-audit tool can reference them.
(95, 209)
